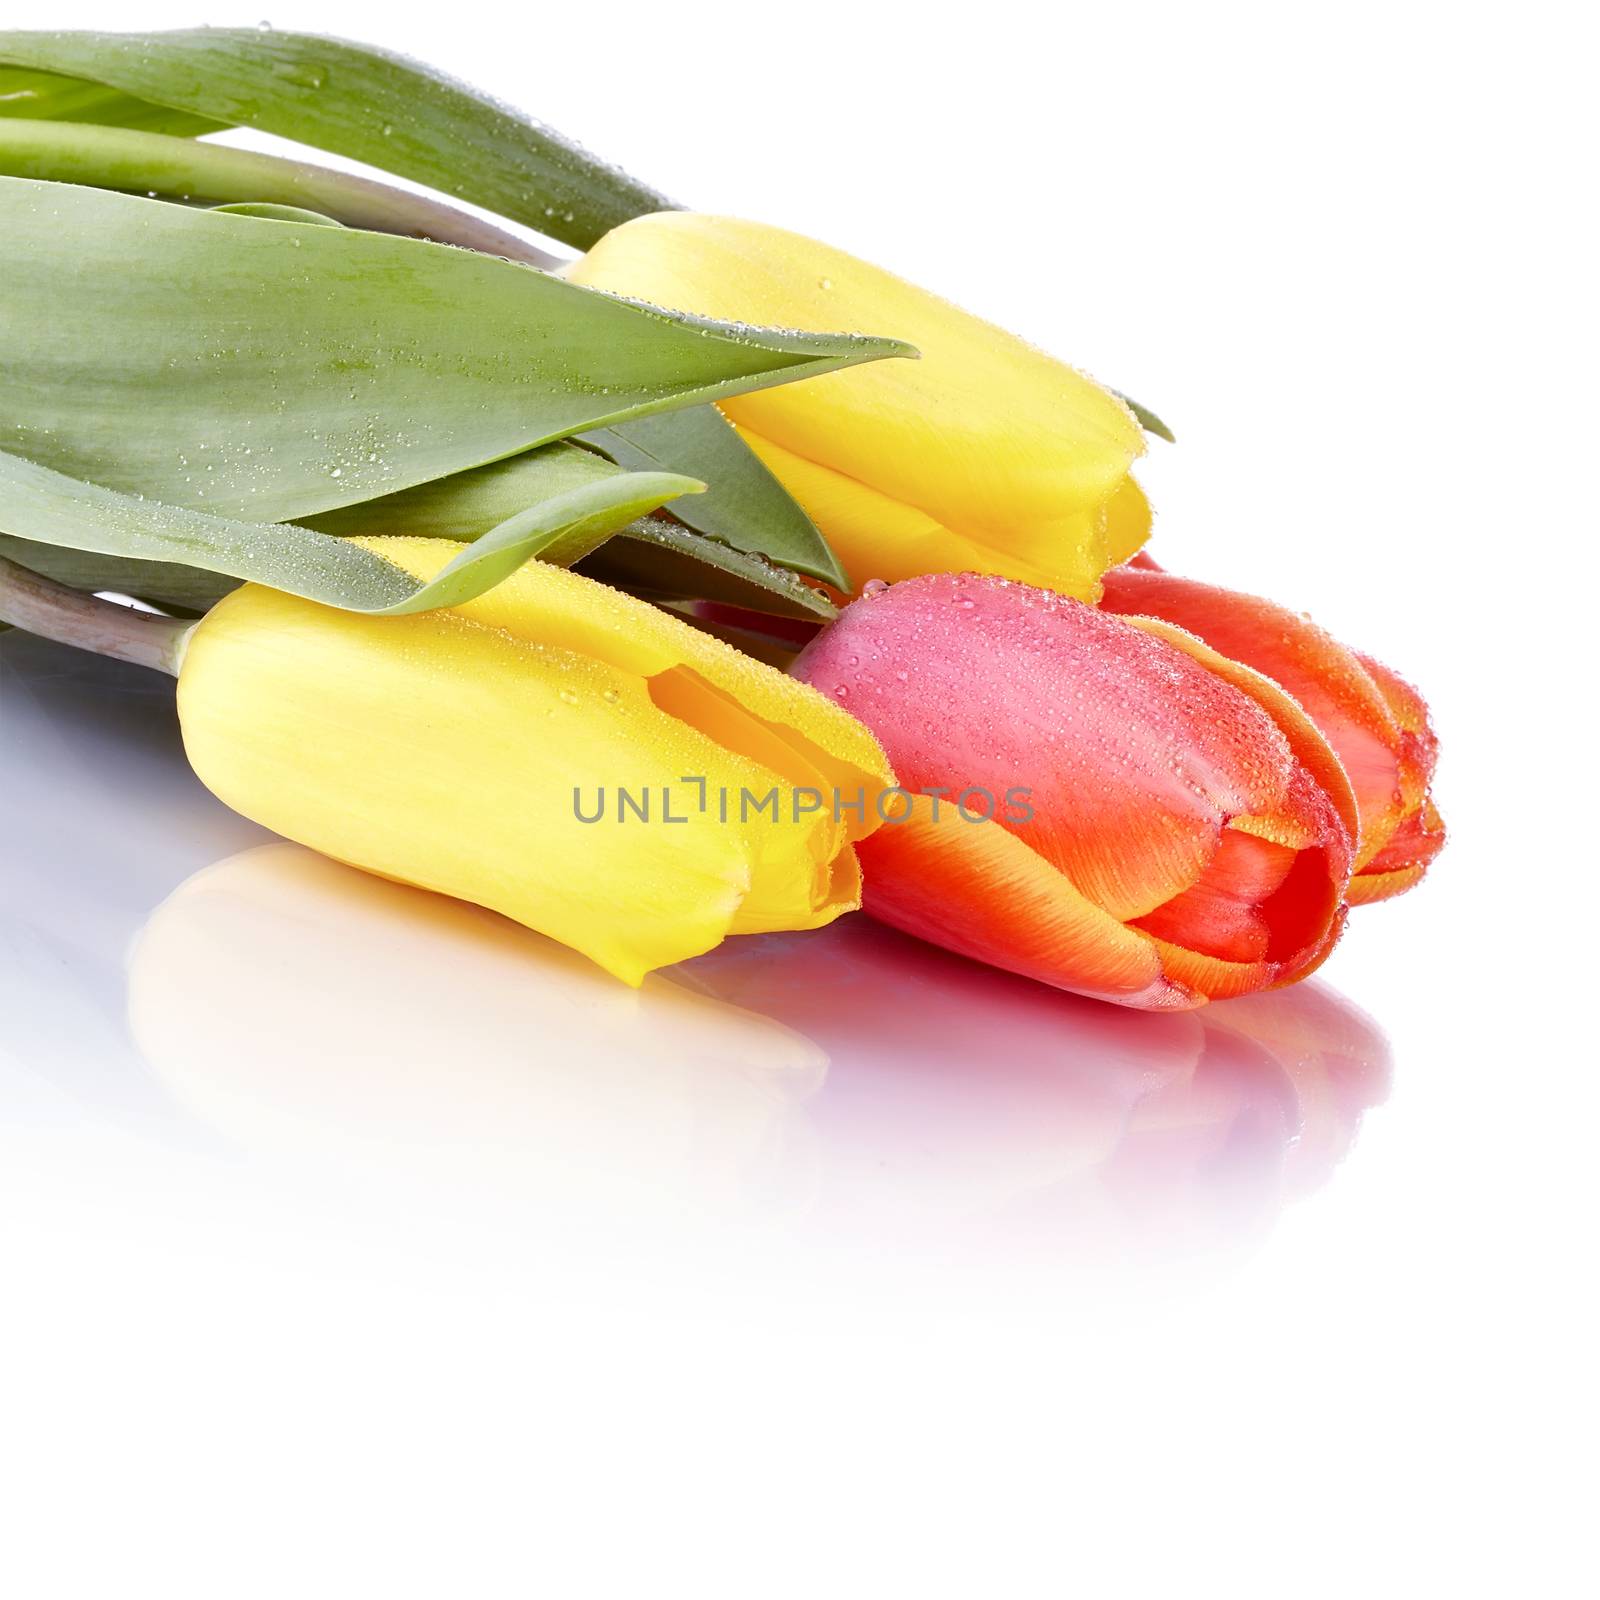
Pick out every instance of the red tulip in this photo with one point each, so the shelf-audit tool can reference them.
(1376, 722)
(1119, 810)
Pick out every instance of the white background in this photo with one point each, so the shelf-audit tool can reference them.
(378, 1261)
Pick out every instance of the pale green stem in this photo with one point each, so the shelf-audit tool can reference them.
(41, 605)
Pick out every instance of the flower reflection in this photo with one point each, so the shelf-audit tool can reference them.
(857, 1078)
(956, 1090)
(294, 1003)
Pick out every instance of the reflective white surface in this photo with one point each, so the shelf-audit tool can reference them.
(354, 1242)
(316, 1185)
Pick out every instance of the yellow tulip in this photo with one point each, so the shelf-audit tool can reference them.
(986, 455)
(467, 751)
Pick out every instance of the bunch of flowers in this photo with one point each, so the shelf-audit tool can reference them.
(707, 581)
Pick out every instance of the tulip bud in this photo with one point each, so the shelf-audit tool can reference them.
(1106, 805)
(1376, 723)
(485, 751)
(985, 454)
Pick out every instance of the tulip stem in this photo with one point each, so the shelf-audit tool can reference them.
(40, 605)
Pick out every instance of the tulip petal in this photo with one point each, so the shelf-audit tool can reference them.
(1367, 888)
(1420, 839)
(1421, 835)
(1331, 683)
(1311, 750)
(567, 611)
(1375, 721)
(873, 535)
(1263, 899)
(1223, 914)
(1223, 980)
(977, 889)
(1316, 815)
(1226, 980)
(798, 880)
(986, 436)
(1419, 745)
(879, 537)
(1402, 861)
(1128, 519)
(1211, 975)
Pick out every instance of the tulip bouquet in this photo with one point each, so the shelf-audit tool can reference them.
(703, 581)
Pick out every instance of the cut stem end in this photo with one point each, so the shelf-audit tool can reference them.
(40, 605)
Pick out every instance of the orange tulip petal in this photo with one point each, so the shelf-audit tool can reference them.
(1419, 746)
(980, 891)
(1211, 975)
(1367, 888)
(1403, 860)
(1225, 980)
(1333, 684)
(1310, 749)
(1224, 913)
(1406, 704)
(1262, 901)
(1419, 840)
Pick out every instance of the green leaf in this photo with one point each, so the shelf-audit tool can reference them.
(654, 558)
(661, 561)
(1146, 418)
(51, 508)
(744, 506)
(50, 96)
(270, 370)
(462, 507)
(657, 559)
(158, 164)
(467, 505)
(357, 101)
